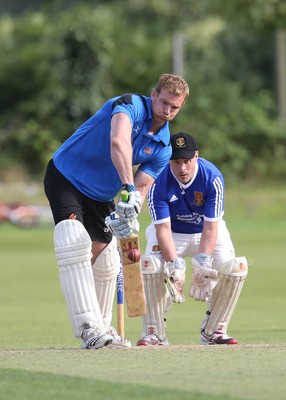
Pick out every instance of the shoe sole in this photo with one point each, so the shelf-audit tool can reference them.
(230, 341)
(118, 345)
(143, 342)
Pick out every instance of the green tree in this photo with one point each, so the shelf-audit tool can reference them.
(61, 60)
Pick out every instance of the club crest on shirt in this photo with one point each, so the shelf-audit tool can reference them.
(147, 150)
(199, 199)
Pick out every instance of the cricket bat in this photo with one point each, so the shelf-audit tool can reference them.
(132, 274)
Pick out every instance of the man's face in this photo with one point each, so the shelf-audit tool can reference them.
(165, 105)
(184, 168)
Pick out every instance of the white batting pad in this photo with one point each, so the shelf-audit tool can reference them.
(158, 299)
(73, 252)
(225, 295)
(105, 271)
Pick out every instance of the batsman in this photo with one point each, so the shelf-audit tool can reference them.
(82, 180)
(186, 204)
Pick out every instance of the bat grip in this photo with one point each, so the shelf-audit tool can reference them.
(124, 196)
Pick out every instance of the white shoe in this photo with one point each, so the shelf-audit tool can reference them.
(92, 339)
(217, 338)
(152, 340)
(117, 341)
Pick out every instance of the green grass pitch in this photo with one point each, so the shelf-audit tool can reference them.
(40, 358)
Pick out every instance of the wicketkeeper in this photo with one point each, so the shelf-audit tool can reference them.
(186, 204)
(81, 181)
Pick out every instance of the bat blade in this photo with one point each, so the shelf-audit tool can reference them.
(132, 278)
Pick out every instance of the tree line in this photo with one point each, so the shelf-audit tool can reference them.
(60, 60)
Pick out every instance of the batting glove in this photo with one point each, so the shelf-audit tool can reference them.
(129, 210)
(119, 228)
(175, 271)
(204, 278)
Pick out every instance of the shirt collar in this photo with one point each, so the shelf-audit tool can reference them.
(185, 186)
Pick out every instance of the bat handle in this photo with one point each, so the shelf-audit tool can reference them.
(120, 304)
(120, 320)
(124, 196)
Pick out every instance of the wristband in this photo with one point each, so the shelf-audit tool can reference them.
(128, 187)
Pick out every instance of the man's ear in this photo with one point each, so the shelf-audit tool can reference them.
(153, 93)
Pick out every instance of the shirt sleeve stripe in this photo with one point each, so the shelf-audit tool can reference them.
(151, 202)
(219, 197)
(162, 221)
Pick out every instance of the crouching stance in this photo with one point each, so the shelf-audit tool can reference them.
(186, 204)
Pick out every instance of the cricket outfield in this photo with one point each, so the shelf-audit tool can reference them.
(40, 359)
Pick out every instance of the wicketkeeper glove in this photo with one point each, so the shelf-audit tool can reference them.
(175, 272)
(129, 210)
(121, 229)
(204, 278)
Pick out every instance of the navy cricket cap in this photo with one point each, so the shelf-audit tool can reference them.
(183, 146)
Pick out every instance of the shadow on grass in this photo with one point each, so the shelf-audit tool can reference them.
(17, 384)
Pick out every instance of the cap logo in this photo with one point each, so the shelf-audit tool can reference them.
(180, 142)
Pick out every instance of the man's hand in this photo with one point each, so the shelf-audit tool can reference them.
(129, 210)
(121, 229)
(175, 272)
(204, 278)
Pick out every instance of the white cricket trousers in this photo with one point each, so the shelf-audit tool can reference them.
(187, 245)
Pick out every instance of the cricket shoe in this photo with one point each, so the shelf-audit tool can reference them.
(117, 341)
(92, 339)
(152, 340)
(217, 338)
